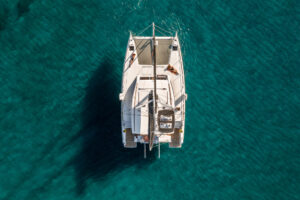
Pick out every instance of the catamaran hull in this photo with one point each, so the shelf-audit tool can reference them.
(138, 86)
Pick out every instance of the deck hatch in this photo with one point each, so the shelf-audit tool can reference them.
(166, 121)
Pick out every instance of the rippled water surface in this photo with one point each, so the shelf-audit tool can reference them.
(60, 76)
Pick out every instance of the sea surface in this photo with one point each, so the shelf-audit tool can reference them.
(60, 77)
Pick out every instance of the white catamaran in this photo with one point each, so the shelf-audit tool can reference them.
(153, 92)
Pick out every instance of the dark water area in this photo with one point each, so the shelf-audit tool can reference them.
(101, 152)
(60, 77)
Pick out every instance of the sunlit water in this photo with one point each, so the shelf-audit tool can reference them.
(60, 76)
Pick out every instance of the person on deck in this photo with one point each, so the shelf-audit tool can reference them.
(132, 58)
(172, 69)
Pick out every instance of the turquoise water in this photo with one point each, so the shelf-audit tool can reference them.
(60, 76)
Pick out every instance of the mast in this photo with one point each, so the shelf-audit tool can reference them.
(151, 139)
(154, 67)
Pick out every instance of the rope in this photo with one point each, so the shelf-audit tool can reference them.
(161, 32)
(159, 29)
(144, 30)
(163, 29)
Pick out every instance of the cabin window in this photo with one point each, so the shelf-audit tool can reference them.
(131, 48)
(161, 77)
(158, 77)
(175, 48)
(146, 78)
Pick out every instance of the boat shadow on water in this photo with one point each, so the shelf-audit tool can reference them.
(102, 151)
